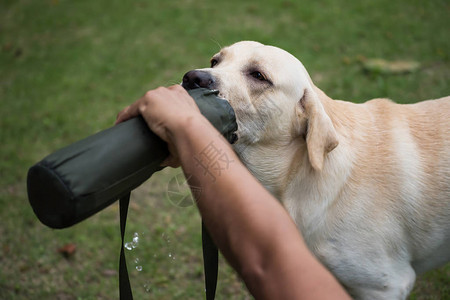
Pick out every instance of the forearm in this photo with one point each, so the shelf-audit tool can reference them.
(251, 228)
(227, 196)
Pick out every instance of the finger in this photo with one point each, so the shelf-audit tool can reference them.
(177, 87)
(181, 91)
(128, 113)
(121, 115)
(183, 94)
(173, 159)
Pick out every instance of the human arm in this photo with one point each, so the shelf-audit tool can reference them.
(252, 229)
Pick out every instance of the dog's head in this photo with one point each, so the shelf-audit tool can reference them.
(272, 95)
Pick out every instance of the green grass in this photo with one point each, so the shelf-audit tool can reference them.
(67, 68)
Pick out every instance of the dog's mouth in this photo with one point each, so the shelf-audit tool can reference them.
(200, 79)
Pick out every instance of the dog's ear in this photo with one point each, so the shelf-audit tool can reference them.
(321, 137)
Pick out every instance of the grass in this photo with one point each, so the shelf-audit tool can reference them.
(67, 68)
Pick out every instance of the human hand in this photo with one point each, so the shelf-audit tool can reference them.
(164, 110)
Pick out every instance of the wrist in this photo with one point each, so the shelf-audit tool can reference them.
(189, 130)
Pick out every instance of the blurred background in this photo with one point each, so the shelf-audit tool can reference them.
(68, 67)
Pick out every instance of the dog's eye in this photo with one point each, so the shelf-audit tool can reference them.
(214, 62)
(258, 75)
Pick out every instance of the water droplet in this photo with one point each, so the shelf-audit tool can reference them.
(134, 243)
(128, 246)
(147, 287)
(139, 268)
(136, 261)
(165, 238)
(136, 238)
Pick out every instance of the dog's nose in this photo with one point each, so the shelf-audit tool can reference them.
(198, 79)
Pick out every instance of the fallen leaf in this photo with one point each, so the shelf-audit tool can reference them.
(67, 250)
(379, 65)
(135, 206)
(7, 47)
(109, 273)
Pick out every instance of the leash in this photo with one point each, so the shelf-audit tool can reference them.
(210, 263)
(210, 258)
(124, 280)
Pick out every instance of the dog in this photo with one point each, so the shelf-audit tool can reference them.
(368, 185)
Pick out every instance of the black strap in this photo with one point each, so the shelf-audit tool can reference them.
(124, 280)
(210, 263)
(210, 258)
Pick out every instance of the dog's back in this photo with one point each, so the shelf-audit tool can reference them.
(429, 125)
(403, 158)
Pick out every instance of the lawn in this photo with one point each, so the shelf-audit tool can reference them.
(68, 67)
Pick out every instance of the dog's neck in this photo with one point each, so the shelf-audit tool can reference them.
(273, 165)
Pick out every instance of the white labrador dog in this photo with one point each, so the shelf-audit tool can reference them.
(368, 185)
